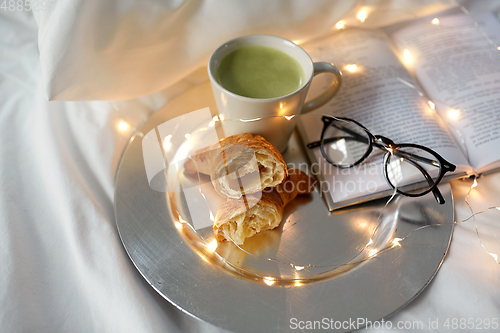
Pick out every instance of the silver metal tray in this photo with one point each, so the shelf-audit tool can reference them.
(198, 282)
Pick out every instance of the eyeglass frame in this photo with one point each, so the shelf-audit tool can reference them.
(390, 147)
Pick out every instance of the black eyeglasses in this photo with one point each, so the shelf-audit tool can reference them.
(411, 169)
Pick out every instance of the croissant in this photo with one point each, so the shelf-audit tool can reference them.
(243, 218)
(239, 164)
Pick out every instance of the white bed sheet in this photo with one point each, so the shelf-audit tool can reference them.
(62, 265)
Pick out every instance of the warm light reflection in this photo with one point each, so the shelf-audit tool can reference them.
(212, 245)
(498, 48)
(297, 283)
(432, 105)
(182, 153)
(340, 25)
(178, 225)
(215, 118)
(435, 21)
(474, 184)
(269, 280)
(494, 256)
(212, 218)
(372, 252)
(203, 258)
(281, 105)
(406, 54)
(299, 268)
(221, 117)
(351, 67)
(289, 117)
(453, 114)
(369, 242)
(123, 126)
(296, 42)
(362, 15)
(167, 144)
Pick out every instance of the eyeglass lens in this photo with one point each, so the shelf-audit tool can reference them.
(412, 170)
(344, 143)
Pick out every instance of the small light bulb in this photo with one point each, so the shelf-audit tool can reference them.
(269, 280)
(453, 114)
(123, 126)
(187, 136)
(340, 25)
(435, 21)
(395, 241)
(362, 15)
(351, 67)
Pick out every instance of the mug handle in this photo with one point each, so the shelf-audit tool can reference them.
(324, 67)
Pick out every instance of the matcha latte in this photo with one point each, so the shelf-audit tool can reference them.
(260, 72)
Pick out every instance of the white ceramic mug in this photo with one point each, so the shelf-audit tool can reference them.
(276, 130)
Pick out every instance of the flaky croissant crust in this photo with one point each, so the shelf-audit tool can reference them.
(236, 153)
(245, 217)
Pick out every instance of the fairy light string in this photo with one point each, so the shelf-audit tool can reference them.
(366, 252)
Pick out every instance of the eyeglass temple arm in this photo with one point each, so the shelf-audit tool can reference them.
(355, 136)
(416, 157)
(316, 144)
(360, 138)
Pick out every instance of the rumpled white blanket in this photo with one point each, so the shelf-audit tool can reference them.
(62, 265)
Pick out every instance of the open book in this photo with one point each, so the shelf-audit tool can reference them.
(433, 82)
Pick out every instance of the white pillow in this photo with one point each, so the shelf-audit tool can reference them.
(122, 49)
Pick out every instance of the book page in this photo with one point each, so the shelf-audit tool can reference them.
(457, 61)
(373, 94)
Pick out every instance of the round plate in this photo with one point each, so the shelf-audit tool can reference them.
(372, 290)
